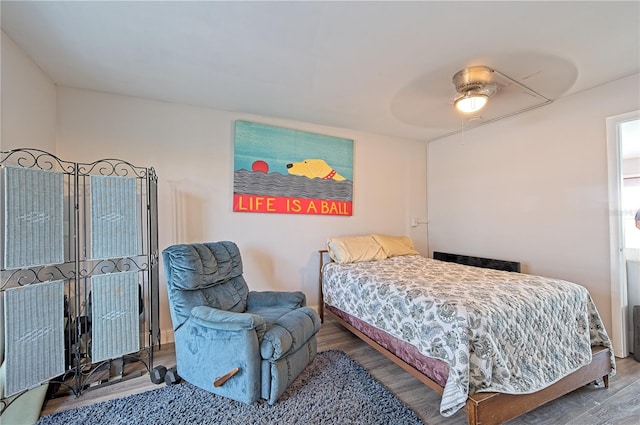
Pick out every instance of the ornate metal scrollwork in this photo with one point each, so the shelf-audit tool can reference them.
(112, 167)
(78, 267)
(36, 158)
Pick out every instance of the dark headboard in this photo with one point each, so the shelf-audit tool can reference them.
(487, 263)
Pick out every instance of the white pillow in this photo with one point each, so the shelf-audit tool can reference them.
(395, 245)
(351, 249)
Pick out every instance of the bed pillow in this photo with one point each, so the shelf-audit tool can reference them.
(394, 246)
(351, 249)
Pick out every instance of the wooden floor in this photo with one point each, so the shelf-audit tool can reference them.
(618, 405)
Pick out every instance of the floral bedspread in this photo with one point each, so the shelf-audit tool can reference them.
(498, 331)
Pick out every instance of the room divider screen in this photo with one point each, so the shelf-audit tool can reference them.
(79, 273)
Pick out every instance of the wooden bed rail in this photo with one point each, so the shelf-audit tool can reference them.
(497, 408)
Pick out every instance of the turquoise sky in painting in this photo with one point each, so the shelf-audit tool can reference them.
(279, 146)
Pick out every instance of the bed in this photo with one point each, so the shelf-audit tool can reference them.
(494, 343)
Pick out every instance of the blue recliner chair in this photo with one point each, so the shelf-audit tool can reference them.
(237, 343)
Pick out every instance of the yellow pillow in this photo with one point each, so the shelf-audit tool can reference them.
(351, 249)
(395, 245)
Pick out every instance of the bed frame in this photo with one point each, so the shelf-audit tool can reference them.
(494, 408)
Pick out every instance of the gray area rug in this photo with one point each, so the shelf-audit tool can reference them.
(333, 389)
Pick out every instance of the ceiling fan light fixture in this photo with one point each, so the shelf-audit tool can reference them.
(471, 102)
(475, 85)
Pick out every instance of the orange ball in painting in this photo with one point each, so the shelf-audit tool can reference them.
(261, 166)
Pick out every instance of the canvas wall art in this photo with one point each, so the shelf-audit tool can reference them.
(287, 171)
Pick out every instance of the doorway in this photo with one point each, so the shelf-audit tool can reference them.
(623, 148)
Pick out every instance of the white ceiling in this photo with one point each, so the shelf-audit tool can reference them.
(381, 67)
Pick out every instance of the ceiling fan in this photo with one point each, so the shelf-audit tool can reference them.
(510, 82)
(476, 84)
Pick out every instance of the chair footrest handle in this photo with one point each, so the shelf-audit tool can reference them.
(224, 378)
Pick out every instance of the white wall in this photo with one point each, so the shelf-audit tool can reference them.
(28, 117)
(28, 109)
(631, 167)
(191, 150)
(533, 188)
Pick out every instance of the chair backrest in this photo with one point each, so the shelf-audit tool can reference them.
(204, 274)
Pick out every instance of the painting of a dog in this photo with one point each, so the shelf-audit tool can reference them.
(314, 168)
(289, 171)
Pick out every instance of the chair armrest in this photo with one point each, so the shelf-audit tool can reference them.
(227, 320)
(276, 299)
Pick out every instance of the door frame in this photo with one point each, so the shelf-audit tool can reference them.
(619, 295)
